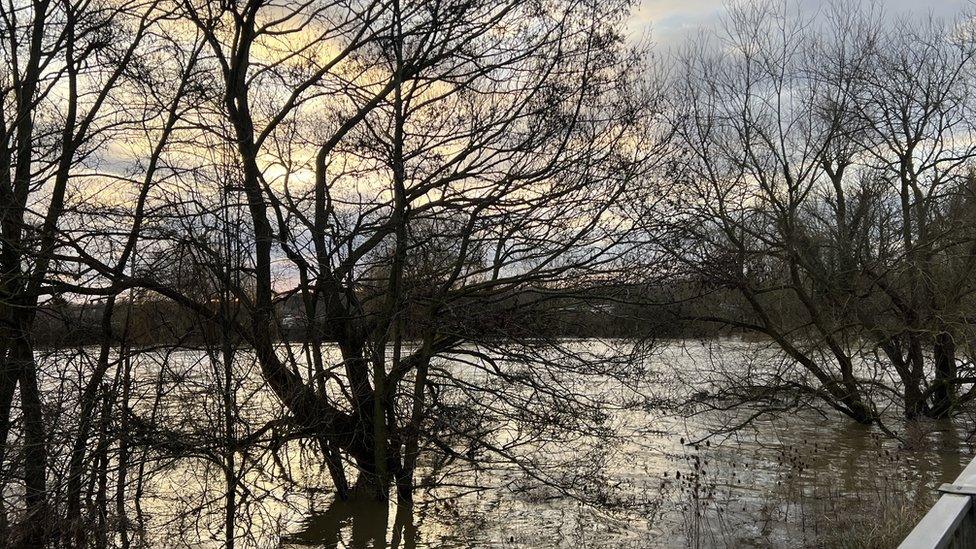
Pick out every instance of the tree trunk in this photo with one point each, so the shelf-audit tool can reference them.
(35, 447)
(944, 394)
(89, 400)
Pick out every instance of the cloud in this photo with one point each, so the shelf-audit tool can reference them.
(669, 23)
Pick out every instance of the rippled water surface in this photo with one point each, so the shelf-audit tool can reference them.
(792, 479)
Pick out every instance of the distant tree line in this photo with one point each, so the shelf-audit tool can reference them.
(632, 312)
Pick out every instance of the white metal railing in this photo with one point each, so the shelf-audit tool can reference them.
(951, 522)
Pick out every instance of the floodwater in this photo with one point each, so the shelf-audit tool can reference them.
(847, 489)
(792, 481)
(789, 479)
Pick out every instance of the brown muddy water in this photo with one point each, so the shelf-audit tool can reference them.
(793, 479)
(804, 482)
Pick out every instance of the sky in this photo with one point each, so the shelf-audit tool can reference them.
(670, 22)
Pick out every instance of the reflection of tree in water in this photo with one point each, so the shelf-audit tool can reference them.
(950, 450)
(942, 437)
(863, 447)
(854, 437)
(365, 522)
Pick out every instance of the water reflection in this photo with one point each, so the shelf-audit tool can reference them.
(839, 472)
(360, 522)
(801, 478)
(854, 438)
(939, 440)
(950, 447)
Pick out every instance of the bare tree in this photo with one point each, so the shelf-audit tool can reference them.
(425, 180)
(505, 147)
(821, 161)
(65, 64)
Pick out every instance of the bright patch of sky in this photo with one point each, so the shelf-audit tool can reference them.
(669, 23)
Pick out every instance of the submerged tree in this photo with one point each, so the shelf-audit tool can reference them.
(823, 186)
(425, 163)
(68, 69)
(412, 193)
